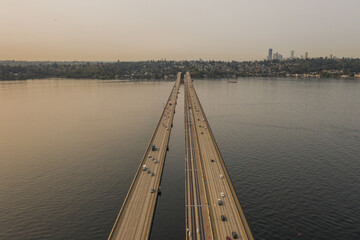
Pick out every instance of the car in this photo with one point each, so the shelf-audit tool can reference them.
(212, 160)
(144, 167)
(234, 235)
(222, 194)
(223, 218)
(228, 238)
(219, 201)
(149, 156)
(152, 174)
(221, 176)
(148, 171)
(152, 190)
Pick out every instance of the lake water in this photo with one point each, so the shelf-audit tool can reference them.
(69, 150)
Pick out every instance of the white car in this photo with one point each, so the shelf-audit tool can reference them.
(222, 194)
(221, 176)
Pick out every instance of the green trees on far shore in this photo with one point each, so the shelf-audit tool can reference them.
(315, 67)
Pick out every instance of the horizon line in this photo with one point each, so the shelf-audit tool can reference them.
(184, 60)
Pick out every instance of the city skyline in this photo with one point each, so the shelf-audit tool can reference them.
(176, 30)
(279, 56)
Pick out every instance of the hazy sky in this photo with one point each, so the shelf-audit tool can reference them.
(109, 30)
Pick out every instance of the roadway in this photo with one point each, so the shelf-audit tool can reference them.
(207, 180)
(135, 218)
(197, 214)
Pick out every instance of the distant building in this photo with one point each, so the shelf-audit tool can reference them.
(306, 55)
(277, 56)
(270, 56)
(292, 54)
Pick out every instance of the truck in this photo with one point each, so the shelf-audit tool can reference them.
(144, 167)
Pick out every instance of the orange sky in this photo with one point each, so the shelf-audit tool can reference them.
(109, 30)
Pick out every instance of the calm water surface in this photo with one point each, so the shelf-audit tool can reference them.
(70, 148)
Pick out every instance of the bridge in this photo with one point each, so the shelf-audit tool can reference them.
(136, 214)
(213, 210)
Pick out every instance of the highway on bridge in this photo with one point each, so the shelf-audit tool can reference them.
(135, 217)
(213, 210)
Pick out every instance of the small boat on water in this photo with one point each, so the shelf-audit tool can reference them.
(232, 81)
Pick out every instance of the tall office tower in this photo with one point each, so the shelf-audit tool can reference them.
(292, 54)
(306, 55)
(270, 56)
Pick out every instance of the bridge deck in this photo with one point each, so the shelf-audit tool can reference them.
(206, 178)
(135, 217)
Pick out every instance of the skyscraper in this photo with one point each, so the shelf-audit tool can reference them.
(270, 56)
(292, 54)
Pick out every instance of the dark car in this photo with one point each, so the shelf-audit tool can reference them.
(223, 218)
(228, 238)
(234, 235)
